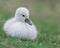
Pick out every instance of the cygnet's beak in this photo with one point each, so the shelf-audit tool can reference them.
(28, 21)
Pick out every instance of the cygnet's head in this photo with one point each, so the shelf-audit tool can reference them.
(22, 15)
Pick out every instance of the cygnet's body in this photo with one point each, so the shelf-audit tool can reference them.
(21, 26)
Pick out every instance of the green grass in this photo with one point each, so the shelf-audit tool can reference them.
(46, 21)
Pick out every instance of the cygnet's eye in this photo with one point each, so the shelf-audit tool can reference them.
(23, 15)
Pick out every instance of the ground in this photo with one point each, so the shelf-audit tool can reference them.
(46, 19)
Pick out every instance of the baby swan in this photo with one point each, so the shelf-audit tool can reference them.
(20, 25)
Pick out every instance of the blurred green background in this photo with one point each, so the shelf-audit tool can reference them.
(45, 14)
